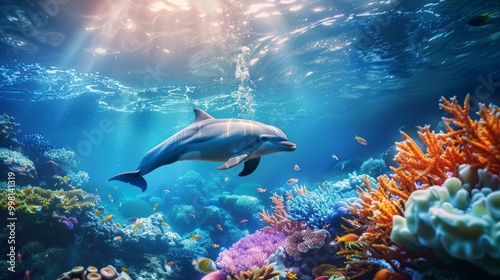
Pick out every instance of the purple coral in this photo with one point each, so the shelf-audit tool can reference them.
(303, 241)
(249, 252)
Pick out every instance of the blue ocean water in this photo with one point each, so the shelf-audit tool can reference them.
(110, 80)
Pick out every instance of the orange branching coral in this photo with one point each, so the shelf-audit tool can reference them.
(278, 220)
(420, 165)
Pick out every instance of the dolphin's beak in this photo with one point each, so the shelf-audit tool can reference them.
(289, 146)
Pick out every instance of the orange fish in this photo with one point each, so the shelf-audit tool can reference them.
(292, 181)
(243, 221)
(195, 237)
(219, 227)
(360, 140)
(108, 218)
(136, 224)
(26, 190)
(290, 275)
(382, 274)
(215, 245)
(335, 157)
(261, 190)
(347, 238)
(117, 238)
(170, 263)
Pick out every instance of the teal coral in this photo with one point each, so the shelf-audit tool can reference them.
(63, 157)
(454, 222)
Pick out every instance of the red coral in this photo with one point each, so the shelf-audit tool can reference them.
(303, 241)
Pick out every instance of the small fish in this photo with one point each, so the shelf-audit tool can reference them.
(108, 218)
(96, 190)
(290, 275)
(26, 190)
(292, 181)
(347, 238)
(155, 206)
(360, 140)
(296, 167)
(19, 257)
(124, 269)
(261, 190)
(219, 227)
(195, 237)
(117, 238)
(226, 180)
(243, 221)
(136, 224)
(116, 187)
(166, 191)
(118, 225)
(170, 263)
(335, 157)
(97, 212)
(215, 245)
(204, 265)
(110, 198)
(27, 275)
(382, 274)
(192, 215)
(164, 224)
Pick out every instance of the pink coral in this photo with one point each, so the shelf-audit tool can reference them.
(303, 241)
(249, 252)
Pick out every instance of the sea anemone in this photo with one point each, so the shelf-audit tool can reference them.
(94, 276)
(108, 272)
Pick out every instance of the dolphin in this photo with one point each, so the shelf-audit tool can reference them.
(231, 141)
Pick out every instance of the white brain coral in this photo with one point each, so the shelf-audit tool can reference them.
(459, 220)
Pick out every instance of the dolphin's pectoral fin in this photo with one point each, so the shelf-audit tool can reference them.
(250, 166)
(232, 162)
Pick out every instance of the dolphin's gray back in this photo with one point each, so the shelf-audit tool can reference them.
(208, 139)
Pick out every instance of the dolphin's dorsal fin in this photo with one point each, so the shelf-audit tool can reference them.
(200, 115)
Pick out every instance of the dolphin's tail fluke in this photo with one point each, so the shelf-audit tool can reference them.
(134, 178)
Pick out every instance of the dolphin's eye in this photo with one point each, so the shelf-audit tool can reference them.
(264, 138)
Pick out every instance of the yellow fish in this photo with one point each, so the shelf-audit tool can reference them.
(215, 245)
(164, 224)
(204, 265)
(117, 238)
(26, 190)
(97, 212)
(195, 237)
(155, 206)
(108, 218)
(136, 224)
(124, 269)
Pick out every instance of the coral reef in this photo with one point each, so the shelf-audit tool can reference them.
(373, 167)
(279, 220)
(63, 157)
(249, 252)
(34, 145)
(79, 178)
(135, 208)
(263, 273)
(314, 206)
(302, 241)
(22, 166)
(420, 165)
(35, 199)
(454, 222)
(240, 204)
(192, 178)
(8, 132)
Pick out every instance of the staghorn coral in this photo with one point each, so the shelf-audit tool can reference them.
(263, 273)
(278, 220)
(464, 141)
(453, 222)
